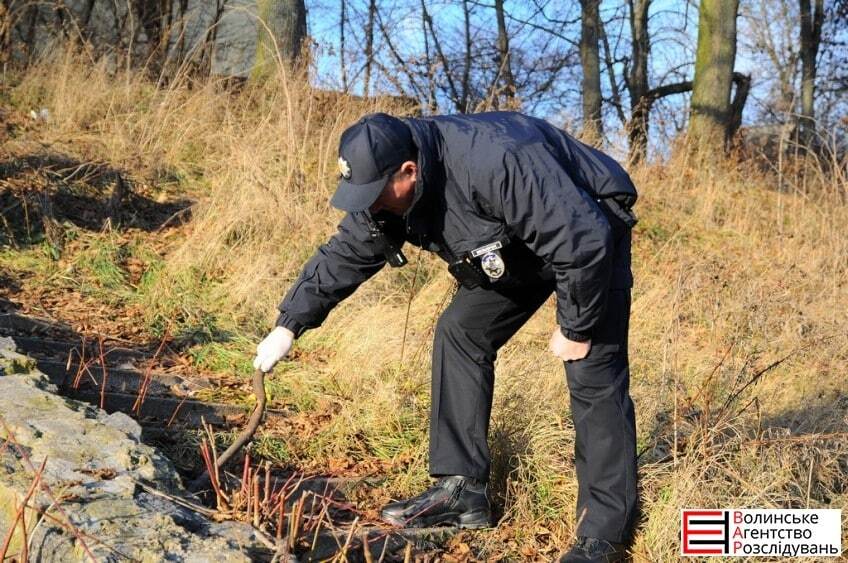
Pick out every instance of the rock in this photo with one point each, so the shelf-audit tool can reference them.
(11, 361)
(124, 423)
(235, 43)
(94, 464)
(109, 27)
(220, 36)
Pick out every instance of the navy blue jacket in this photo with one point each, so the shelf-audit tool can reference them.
(485, 178)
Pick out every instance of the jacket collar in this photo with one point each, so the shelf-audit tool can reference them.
(431, 172)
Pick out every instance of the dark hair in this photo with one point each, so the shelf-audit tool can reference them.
(411, 155)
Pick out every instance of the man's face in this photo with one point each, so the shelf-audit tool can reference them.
(396, 197)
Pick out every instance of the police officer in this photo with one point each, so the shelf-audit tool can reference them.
(518, 209)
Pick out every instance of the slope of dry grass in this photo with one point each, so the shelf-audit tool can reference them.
(738, 345)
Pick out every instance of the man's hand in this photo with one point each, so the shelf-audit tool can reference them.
(566, 349)
(273, 348)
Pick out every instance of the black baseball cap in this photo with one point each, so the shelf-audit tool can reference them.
(370, 151)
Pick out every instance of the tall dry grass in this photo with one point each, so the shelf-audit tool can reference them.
(738, 332)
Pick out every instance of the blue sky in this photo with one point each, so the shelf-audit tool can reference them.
(673, 25)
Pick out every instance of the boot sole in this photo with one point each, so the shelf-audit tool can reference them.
(464, 521)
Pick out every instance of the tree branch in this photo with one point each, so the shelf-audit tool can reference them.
(429, 21)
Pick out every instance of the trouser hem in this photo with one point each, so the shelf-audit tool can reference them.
(602, 535)
(465, 471)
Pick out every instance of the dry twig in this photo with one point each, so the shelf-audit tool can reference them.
(246, 434)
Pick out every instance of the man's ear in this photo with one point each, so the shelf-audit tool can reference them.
(410, 168)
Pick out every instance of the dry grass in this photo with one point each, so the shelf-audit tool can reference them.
(737, 269)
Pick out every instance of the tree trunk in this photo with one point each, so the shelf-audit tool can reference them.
(637, 81)
(342, 62)
(615, 93)
(369, 46)
(811, 25)
(504, 65)
(6, 25)
(432, 104)
(120, 191)
(282, 31)
(466, 70)
(743, 87)
(53, 230)
(593, 130)
(714, 60)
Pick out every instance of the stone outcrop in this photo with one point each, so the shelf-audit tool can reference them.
(109, 28)
(221, 36)
(104, 479)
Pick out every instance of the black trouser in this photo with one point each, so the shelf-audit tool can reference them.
(469, 333)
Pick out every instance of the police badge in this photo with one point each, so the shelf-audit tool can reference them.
(493, 265)
(490, 260)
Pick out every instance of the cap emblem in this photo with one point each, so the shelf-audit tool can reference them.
(344, 168)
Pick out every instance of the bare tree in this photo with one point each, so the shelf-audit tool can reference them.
(811, 26)
(465, 60)
(342, 61)
(642, 96)
(832, 93)
(466, 68)
(771, 32)
(454, 94)
(593, 130)
(369, 46)
(6, 22)
(743, 88)
(637, 80)
(503, 60)
(429, 66)
(714, 61)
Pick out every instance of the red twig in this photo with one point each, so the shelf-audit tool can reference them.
(148, 376)
(285, 497)
(267, 484)
(315, 497)
(10, 436)
(247, 432)
(213, 477)
(282, 496)
(21, 514)
(255, 499)
(81, 355)
(245, 472)
(105, 373)
(82, 368)
(24, 536)
(280, 512)
(176, 410)
(85, 535)
(339, 504)
(249, 490)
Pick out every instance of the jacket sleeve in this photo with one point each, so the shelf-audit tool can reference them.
(564, 226)
(333, 273)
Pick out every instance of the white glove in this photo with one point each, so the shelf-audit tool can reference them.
(273, 348)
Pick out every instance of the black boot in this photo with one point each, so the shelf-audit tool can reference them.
(593, 550)
(454, 500)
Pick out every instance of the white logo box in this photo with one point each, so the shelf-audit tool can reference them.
(745, 532)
